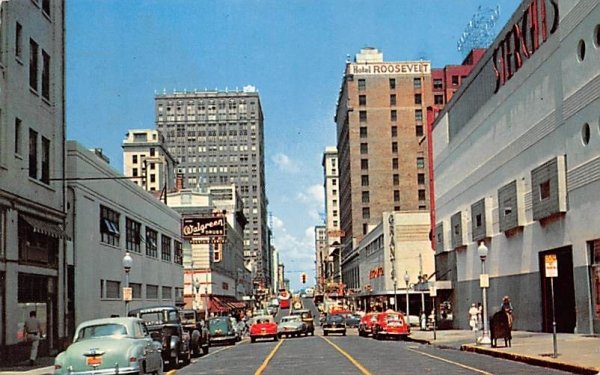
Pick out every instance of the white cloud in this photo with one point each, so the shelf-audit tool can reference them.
(314, 195)
(284, 163)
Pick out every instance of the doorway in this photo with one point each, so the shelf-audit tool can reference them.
(564, 292)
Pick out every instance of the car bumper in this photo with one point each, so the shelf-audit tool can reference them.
(223, 338)
(392, 333)
(105, 371)
(259, 335)
(334, 329)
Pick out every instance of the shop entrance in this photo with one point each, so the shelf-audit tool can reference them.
(564, 292)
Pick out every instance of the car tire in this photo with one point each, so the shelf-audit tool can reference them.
(161, 368)
(205, 349)
(188, 358)
(253, 339)
(175, 361)
(344, 333)
(325, 333)
(275, 338)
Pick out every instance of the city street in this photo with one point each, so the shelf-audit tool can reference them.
(349, 355)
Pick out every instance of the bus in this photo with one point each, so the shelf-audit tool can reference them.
(284, 299)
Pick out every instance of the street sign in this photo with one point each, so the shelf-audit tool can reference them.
(551, 263)
(484, 280)
(336, 233)
(432, 291)
(127, 294)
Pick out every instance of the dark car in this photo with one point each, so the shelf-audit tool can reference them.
(164, 325)
(334, 324)
(221, 330)
(194, 325)
(307, 317)
(352, 320)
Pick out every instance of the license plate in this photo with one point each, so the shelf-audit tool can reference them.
(263, 330)
(94, 361)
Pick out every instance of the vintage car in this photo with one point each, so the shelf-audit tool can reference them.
(164, 324)
(221, 330)
(111, 346)
(390, 324)
(195, 327)
(352, 320)
(292, 325)
(263, 327)
(365, 325)
(307, 317)
(334, 324)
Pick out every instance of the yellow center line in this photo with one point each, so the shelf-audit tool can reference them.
(357, 364)
(265, 363)
(452, 362)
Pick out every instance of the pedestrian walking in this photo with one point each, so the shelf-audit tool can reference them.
(506, 306)
(33, 332)
(473, 320)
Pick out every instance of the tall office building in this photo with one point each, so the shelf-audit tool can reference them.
(32, 187)
(332, 213)
(217, 138)
(380, 141)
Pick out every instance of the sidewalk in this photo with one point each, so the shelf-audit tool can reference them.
(43, 366)
(576, 353)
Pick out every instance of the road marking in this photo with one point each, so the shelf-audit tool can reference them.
(218, 351)
(452, 362)
(357, 364)
(265, 363)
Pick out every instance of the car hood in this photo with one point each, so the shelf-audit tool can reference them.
(294, 325)
(113, 351)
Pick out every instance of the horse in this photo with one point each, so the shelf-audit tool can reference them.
(500, 327)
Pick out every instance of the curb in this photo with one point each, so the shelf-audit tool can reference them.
(532, 360)
(48, 370)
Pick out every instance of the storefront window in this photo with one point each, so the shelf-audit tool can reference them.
(595, 275)
(24, 310)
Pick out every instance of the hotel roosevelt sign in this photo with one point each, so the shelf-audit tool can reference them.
(416, 67)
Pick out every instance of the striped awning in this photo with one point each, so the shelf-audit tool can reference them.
(46, 227)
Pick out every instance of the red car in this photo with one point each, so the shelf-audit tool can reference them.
(365, 326)
(263, 327)
(390, 324)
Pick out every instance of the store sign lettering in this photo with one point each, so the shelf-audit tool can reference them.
(391, 68)
(376, 272)
(200, 227)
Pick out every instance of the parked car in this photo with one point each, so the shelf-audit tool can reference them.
(390, 324)
(334, 324)
(365, 326)
(196, 328)
(307, 318)
(263, 327)
(221, 330)
(164, 324)
(109, 346)
(292, 325)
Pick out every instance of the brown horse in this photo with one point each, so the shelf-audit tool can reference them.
(500, 327)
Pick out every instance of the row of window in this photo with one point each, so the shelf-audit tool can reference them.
(364, 165)
(362, 116)
(39, 63)
(362, 100)
(111, 289)
(110, 233)
(38, 151)
(362, 83)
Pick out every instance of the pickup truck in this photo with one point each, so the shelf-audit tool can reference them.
(164, 325)
(195, 327)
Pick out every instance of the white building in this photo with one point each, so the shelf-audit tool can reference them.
(332, 211)
(107, 218)
(32, 204)
(516, 155)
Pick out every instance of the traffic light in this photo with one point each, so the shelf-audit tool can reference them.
(303, 278)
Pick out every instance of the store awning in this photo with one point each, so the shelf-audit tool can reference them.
(45, 227)
(216, 306)
(231, 302)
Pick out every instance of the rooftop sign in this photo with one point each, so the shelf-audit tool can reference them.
(417, 67)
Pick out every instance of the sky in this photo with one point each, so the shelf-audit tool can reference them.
(120, 53)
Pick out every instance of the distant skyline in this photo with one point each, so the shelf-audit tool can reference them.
(120, 53)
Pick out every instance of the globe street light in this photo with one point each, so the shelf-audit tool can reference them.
(127, 263)
(482, 250)
(406, 280)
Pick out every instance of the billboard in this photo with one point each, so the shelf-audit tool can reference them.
(198, 227)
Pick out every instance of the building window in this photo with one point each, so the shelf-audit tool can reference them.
(454, 80)
(364, 148)
(419, 130)
(438, 99)
(393, 99)
(420, 162)
(421, 178)
(395, 147)
(151, 243)
(363, 132)
(362, 100)
(418, 99)
(396, 195)
(421, 194)
(365, 228)
(109, 226)
(19, 41)
(392, 83)
(545, 190)
(365, 197)
(362, 85)
(133, 235)
(393, 115)
(167, 293)
(362, 115)
(178, 256)
(45, 178)
(418, 115)
(366, 213)
(417, 83)
(33, 64)
(395, 163)
(394, 131)
(334, 182)
(18, 130)
(45, 75)
(134, 159)
(396, 179)
(364, 180)
(113, 289)
(364, 164)
(46, 7)
(438, 84)
(136, 290)
(594, 249)
(33, 135)
(334, 192)
(165, 248)
(151, 291)
(334, 213)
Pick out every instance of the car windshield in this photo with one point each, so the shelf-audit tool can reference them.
(336, 318)
(102, 330)
(262, 319)
(287, 319)
(392, 318)
(219, 324)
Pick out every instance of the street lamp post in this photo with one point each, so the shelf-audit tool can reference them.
(395, 297)
(205, 298)
(482, 250)
(127, 263)
(406, 280)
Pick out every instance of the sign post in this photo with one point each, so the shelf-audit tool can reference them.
(551, 265)
(433, 294)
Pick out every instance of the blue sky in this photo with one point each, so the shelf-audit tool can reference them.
(120, 52)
